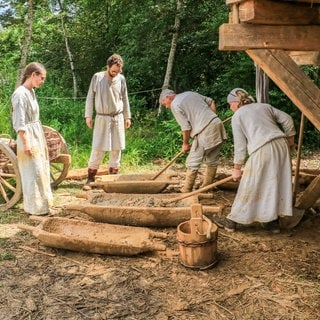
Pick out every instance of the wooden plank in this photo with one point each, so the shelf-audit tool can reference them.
(278, 13)
(310, 195)
(303, 58)
(229, 2)
(291, 80)
(196, 221)
(311, 2)
(246, 36)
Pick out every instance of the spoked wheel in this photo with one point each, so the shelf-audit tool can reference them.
(10, 179)
(59, 166)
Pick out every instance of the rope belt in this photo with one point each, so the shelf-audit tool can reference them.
(109, 114)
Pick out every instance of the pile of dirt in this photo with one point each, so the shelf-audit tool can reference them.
(258, 275)
(135, 200)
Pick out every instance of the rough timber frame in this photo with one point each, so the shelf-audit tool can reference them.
(279, 46)
(279, 36)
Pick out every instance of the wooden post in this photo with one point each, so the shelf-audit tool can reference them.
(296, 173)
(235, 13)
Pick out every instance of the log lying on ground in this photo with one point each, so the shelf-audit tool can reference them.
(305, 178)
(82, 173)
(314, 172)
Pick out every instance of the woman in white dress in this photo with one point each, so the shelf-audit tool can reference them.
(263, 136)
(32, 152)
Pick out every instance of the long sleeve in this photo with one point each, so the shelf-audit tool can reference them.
(125, 100)
(285, 121)
(90, 98)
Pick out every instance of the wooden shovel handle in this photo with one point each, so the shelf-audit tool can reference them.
(203, 189)
(176, 157)
(227, 119)
(168, 165)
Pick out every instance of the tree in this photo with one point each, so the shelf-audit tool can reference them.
(26, 43)
(173, 48)
(70, 56)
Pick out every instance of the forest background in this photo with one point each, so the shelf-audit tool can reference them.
(73, 40)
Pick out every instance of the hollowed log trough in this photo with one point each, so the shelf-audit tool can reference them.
(134, 183)
(140, 210)
(93, 237)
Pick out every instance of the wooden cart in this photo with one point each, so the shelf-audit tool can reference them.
(10, 179)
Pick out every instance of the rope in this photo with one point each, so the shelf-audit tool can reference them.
(83, 98)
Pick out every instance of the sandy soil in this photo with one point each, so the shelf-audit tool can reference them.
(258, 275)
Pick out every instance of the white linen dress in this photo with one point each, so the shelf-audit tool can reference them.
(265, 189)
(35, 169)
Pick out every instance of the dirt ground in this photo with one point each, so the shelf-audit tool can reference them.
(258, 275)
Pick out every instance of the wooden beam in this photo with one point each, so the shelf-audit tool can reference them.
(246, 36)
(311, 2)
(291, 80)
(304, 58)
(310, 195)
(278, 13)
(230, 2)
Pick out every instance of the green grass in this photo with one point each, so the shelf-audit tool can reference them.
(7, 256)
(11, 216)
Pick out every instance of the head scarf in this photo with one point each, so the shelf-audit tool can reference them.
(165, 93)
(239, 95)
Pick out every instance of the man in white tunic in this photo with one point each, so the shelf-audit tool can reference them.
(265, 190)
(196, 115)
(32, 153)
(108, 96)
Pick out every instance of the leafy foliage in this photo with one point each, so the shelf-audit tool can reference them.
(141, 32)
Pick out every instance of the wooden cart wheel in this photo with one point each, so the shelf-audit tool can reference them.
(59, 166)
(10, 179)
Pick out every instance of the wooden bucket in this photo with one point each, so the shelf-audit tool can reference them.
(197, 239)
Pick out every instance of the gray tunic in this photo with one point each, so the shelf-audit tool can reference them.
(111, 103)
(35, 169)
(265, 189)
(192, 111)
(254, 125)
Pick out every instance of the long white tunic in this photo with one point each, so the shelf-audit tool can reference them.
(111, 104)
(35, 169)
(265, 189)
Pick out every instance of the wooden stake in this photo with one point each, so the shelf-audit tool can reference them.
(296, 174)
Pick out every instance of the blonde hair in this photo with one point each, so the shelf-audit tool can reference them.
(240, 95)
(244, 97)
